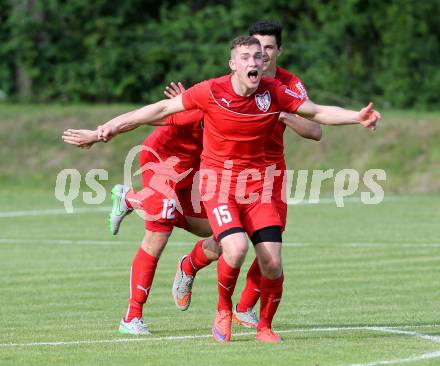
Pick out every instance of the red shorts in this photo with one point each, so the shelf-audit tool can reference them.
(165, 202)
(227, 209)
(278, 195)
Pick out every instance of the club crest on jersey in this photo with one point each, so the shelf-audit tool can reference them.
(263, 101)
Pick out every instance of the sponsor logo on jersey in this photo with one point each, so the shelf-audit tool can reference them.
(263, 101)
(226, 102)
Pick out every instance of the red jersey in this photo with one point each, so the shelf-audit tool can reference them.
(275, 144)
(185, 142)
(235, 127)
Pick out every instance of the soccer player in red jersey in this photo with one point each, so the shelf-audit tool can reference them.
(165, 142)
(240, 112)
(162, 216)
(269, 34)
(160, 205)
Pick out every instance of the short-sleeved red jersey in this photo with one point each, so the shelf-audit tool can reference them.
(275, 144)
(235, 127)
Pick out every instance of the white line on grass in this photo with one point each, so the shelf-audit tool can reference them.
(435, 339)
(422, 357)
(52, 211)
(61, 211)
(62, 242)
(80, 242)
(362, 245)
(403, 245)
(203, 336)
(190, 243)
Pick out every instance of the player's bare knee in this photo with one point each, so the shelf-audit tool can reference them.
(211, 249)
(154, 242)
(235, 261)
(234, 246)
(235, 256)
(268, 262)
(270, 265)
(272, 271)
(212, 256)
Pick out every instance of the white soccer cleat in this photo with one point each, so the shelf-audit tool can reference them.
(135, 327)
(120, 208)
(182, 287)
(247, 318)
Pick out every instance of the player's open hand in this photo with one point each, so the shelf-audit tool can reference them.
(84, 139)
(368, 117)
(173, 90)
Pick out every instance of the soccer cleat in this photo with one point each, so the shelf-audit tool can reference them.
(267, 335)
(135, 327)
(120, 208)
(247, 318)
(221, 329)
(182, 287)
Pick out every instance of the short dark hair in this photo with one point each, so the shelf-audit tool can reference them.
(244, 41)
(267, 28)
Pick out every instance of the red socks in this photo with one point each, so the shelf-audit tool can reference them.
(251, 292)
(195, 260)
(271, 292)
(141, 278)
(227, 279)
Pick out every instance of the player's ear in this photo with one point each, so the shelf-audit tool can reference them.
(280, 50)
(232, 64)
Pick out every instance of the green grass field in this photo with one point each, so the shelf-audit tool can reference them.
(362, 288)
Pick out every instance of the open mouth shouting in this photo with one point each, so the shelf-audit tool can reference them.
(253, 76)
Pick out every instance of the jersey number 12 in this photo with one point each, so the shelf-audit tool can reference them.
(169, 206)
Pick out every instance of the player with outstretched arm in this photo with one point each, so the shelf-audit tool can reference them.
(237, 132)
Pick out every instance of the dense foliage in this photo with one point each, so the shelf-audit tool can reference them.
(346, 51)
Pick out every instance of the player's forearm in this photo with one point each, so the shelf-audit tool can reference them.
(303, 127)
(329, 115)
(151, 114)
